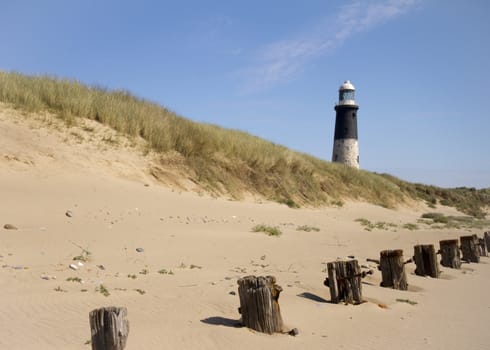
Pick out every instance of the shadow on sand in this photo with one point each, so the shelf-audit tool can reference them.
(222, 321)
(313, 297)
(369, 283)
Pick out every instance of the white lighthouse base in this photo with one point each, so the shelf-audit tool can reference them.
(346, 151)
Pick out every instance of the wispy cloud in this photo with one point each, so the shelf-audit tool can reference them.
(282, 61)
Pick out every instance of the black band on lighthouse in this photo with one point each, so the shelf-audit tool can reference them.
(346, 122)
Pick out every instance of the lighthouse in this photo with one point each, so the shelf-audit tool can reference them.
(345, 146)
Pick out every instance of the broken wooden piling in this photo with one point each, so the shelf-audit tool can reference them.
(344, 281)
(392, 269)
(486, 237)
(259, 305)
(425, 259)
(469, 247)
(450, 254)
(109, 328)
(482, 247)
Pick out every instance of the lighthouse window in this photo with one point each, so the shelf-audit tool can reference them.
(347, 95)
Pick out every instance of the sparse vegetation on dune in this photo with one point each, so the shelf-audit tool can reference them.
(223, 161)
(467, 200)
(307, 228)
(380, 225)
(438, 220)
(268, 230)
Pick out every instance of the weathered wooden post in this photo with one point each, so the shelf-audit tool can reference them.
(344, 281)
(486, 236)
(425, 259)
(393, 269)
(469, 247)
(482, 247)
(450, 255)
(259, 304)
(109, 328)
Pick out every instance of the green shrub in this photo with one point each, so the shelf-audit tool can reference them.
(436, 217)
(102, 290)
(410, 226)
(74, 279)
(380, 225)
(368, 225)
(269, 230)
(337, 203)
(290, 203)
(307, 228)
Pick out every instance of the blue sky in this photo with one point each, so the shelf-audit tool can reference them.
(272, 68)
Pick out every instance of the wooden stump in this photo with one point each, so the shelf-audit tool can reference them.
(109, 328)
(259, 304)
(425, 259)
(450, 255)
(469, 247)
(344, 281)
(393, 269)
(482, 247)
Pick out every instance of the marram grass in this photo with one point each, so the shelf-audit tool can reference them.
(219, 160)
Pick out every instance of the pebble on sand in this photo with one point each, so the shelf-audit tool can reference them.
(9, 227)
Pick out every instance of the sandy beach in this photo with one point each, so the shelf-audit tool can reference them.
(173, 259)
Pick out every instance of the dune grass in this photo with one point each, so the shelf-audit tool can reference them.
(454, 222)
(220, 161)
(268, 230)
(307, 228)
(467, 200)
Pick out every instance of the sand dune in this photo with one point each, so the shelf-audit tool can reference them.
(194, 248)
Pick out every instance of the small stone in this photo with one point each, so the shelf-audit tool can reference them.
(9, 227)
(47, 278)
(294, 332)
(101, 267)
(232, 292)
(69, 213)
(73, 267)
(140, 250)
